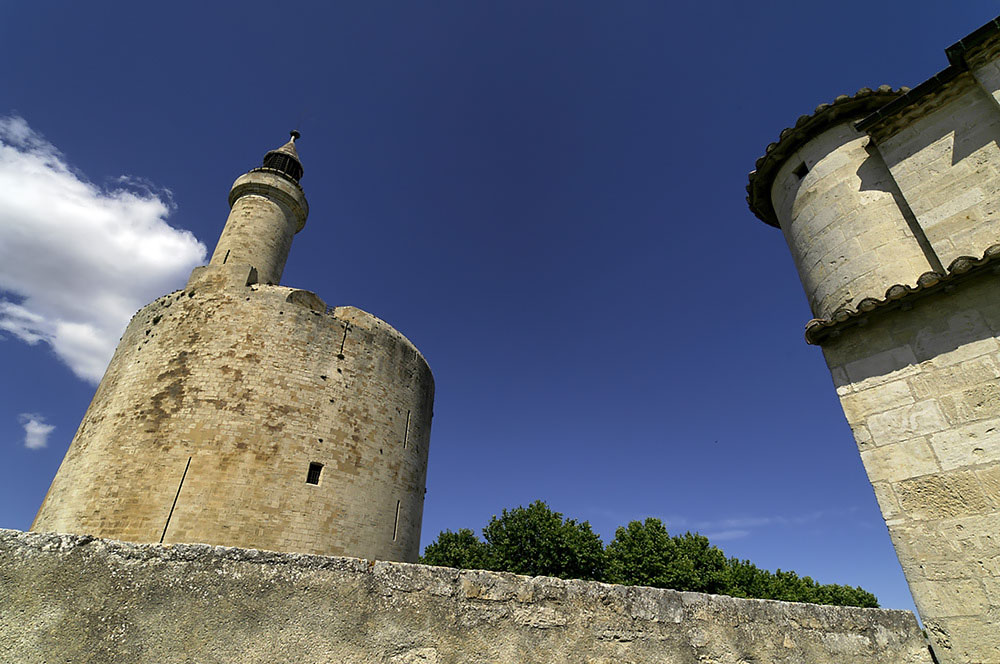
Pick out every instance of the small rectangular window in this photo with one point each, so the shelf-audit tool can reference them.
(314, 472)
(801, 171)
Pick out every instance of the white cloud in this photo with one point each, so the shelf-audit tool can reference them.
(76, 260)
(740, 527)
(743, 523)
(724, 535)
(36, 431)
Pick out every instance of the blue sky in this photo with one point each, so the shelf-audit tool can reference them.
(547, 198)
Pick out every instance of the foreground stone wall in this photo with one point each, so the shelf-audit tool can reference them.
(74, 599)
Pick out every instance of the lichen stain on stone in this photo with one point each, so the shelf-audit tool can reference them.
(235, 374)
(276, 415)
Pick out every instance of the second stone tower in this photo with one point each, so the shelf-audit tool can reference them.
(243, 413)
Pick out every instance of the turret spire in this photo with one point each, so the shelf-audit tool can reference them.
(285, 159)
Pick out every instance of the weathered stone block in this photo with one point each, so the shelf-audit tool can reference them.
(900, 461)
(955, 377)
(862, 437)
(976, 403)
(899, 424)
(882, 397)
(955, 597)
(886, 499)
(967, 445)
(989, 479)
(877, 368)
(938, 496)
(969, 639)
(964, 337)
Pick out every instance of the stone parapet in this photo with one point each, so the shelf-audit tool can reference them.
(79, 599)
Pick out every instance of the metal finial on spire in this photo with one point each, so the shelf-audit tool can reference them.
(295, 134)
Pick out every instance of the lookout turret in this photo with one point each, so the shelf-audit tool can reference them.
(268, 207)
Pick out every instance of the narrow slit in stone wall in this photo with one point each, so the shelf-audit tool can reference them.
(340, 354)
(406, 430)
(176, 496)
(395, 525)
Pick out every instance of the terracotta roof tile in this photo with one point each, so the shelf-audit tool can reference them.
(901, 296)
(843, 108)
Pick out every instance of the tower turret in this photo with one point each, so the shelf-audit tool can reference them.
(268, 207)
(829, 190)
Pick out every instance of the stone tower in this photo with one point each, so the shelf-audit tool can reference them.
(243, 413)
(890, 203)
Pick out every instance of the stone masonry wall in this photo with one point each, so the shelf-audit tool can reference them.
(921, 391)
(216, 402)
(78, 600)
(947, 164)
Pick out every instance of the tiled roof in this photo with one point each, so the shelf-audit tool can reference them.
(844, 108)
(902, 296)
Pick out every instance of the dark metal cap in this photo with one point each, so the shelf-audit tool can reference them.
(285, 159)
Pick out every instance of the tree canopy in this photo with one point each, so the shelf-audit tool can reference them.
(462, 549)
(538, 541)
(644, 554)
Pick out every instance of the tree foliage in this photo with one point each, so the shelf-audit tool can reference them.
(537, 541)
(747, 580)
(462, 549)
(644, 554)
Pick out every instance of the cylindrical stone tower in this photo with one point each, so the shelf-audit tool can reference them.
(889, 203)
(247, 414)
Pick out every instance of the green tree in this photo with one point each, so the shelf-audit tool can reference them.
(643, 553)
(462, 549)
(536, 541)
(747, 580)
(704, 565)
